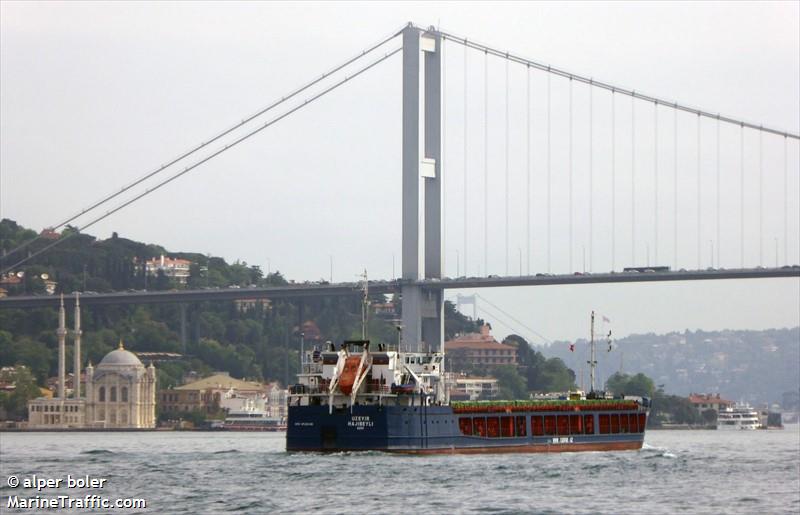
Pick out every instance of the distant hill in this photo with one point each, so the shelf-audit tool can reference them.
(751, 366)
(257, 340)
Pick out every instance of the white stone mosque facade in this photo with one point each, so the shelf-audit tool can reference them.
(120, 392)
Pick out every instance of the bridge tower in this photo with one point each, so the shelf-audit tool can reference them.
(423, 312)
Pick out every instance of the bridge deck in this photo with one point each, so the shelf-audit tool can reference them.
(298, 291)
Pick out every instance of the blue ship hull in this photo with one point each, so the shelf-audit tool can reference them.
(438, 429)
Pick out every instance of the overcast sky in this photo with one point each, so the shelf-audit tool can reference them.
(94, 95)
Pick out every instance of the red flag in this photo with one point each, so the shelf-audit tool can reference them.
(572, 347)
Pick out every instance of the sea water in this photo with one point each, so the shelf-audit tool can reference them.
(222, 472)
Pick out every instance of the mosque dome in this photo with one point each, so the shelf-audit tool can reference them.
(121, 356)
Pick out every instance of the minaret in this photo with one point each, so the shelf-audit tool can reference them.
(77, 380)
(89, 415)
(62, 335)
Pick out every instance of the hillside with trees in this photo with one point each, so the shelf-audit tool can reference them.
(749, 366)
(254, 340)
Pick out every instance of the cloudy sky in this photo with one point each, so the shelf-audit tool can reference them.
(94, 95)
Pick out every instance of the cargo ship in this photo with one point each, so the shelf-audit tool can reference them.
(356, 399)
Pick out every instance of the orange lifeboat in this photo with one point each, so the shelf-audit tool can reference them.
(349, 373)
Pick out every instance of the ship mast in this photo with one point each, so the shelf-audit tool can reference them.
(364, 306)
(592, 361)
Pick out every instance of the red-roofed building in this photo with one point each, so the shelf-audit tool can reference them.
(482, 349)
(708, 401)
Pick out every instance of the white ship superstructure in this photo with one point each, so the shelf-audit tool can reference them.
(738, 417)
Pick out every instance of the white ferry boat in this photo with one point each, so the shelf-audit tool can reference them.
(250, 418)
(738, 417)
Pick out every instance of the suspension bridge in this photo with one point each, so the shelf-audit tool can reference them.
(585, 179)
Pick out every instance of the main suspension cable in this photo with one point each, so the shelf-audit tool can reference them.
(205, 159)
(204, 144)
(610, 87)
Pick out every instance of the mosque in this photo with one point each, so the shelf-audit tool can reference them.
(120, 392)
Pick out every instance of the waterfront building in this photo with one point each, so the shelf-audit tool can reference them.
(120, 392)
(206, 395)
(474, 388)
(703, 402)
(481, 349)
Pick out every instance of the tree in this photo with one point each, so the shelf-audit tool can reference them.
(196, 278)
(556, 376)
(510, 383)
(15, 403)
(671, 409)
(624, 384)
(162, 282)
(34, 355)
(455, 322)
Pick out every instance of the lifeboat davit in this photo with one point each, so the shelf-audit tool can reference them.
(349, 373)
